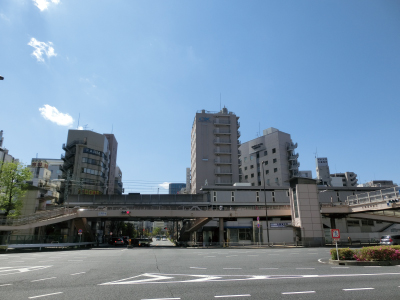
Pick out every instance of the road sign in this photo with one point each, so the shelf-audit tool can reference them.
(335, 233)
(258, 225)
(80, 231)
(258, 218)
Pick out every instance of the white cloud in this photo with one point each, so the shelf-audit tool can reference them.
(41, 48)
(4, 17)
(80, 128)
(44, 4)
(165, 185)
(52, 114)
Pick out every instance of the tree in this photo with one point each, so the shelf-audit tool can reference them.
(156, 231)
(13, 177)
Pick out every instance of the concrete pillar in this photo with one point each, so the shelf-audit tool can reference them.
(221, 231)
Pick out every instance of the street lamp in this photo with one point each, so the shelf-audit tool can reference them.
(265, 201)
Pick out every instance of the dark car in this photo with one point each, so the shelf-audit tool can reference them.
(117, 241)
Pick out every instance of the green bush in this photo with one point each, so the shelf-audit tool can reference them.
(344, 254)
(378, 253)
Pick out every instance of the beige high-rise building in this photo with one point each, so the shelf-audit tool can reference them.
(214, 149)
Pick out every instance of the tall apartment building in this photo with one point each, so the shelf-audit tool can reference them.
(118, 185)
(348, 178)
(276, 149)
(4, 156)
(88, 162)
(214, 149)
(323, 174)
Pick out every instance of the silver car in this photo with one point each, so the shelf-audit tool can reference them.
(390, 240)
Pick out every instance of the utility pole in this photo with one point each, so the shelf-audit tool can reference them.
(265, 201)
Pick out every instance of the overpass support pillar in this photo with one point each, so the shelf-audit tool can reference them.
(333, 223)
(221, 231)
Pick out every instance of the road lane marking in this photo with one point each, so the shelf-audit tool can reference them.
(6, 284)
(44, 295)
(231, 296)
(359, 289)
(43, 279)
(339, 267)
(304, 292)
(372, 266)
(163, 299)
(75, 260)
(77, 273)
(198, 268)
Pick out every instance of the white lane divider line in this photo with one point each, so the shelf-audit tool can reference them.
(372, 266)
(77, 273)
(304, 292)
(43, 279)
(232, 268)
(6, 284)
(358, 289)
(198, 268)
(75, 260)
(45, 295)
(231, 296)
(163, 299)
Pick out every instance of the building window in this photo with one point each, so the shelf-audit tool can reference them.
(258, 155)
(233, 196)
(266, 171)
(287, 193)
(245, 168)
(275, 170)
(274, 150)
(252, 184)
(267, 181)
(258, 174)
(265, 153)
(266, 162)
(246, 176)
(259, 183)
(215, 196)
(245, 158)
(251, 166)
(245, 234)
(274, 160)
(258, 196)
(273, 194)
(353, 223)
(251, 157)
(252, 175)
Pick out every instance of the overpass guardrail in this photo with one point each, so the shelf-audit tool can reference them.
(375, 196)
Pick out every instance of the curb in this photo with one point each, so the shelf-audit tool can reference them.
(364, 263)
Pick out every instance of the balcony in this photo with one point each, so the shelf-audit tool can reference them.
(222, 161)
(294, 167)
(238, 134)
(223, 172)
(238, 124)
(221, 131)
(222, 151)
(222, 122)
(294, 157)
(291, 147)
(223, 182)
(239, 162)
(222, 141)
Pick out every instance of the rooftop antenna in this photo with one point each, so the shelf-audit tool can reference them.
(316, 153)
(85, 126)
(78, 120)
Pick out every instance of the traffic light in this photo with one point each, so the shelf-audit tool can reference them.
(125, 212)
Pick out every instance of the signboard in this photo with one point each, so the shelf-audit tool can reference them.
(102, 213)
(335, 233)
(280, 224)
(80, 231)
(258, 218)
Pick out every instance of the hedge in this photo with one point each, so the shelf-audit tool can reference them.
(375, 253)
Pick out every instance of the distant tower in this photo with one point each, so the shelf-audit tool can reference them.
(1, 139)
(323, 174)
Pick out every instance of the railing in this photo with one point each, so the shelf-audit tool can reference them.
(222, 171)
(222, 122)
(222, 141)
(375, 196)
(220, 131)
(40, 216)
(222, 161)
(224, 151)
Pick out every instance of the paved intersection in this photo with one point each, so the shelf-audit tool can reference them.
(179, 273)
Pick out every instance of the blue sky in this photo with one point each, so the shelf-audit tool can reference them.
(327, 72)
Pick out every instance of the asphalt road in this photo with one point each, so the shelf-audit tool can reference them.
(161, 272)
